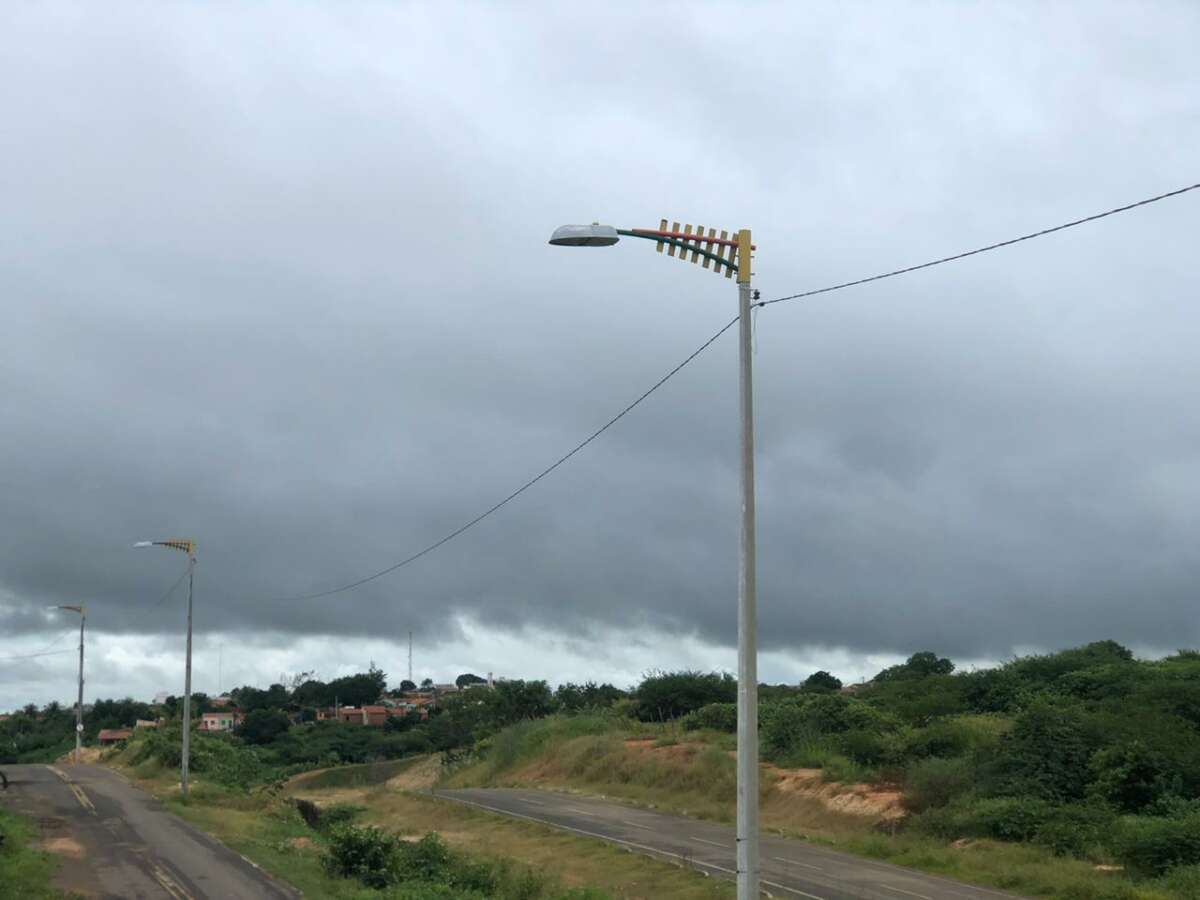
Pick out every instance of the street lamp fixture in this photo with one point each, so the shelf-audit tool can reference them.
(188, 547)
(728, 255)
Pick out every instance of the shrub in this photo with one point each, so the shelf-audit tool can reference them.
(714, 716)
(367, 854)
(1131, 776)
(668, 695)
(934, 782)
(1011, 818)
(1076, 828)
(1155, 845)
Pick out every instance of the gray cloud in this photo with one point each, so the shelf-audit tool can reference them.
(279, 281)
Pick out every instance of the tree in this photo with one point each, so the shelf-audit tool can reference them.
(919, 665)
(572, 697)
(359, 690)
(822, 681)
(669, 695)
(468, 678)
(264, 725)
(311, 693)
(406, 686)
(426, 682)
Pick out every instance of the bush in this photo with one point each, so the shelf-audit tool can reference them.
(668, 695)
(934, 782)
(1003, 818)
(871, 748)
(714, 716)
(1154, 845)
(367, 854)
(1076, 828)
(1131, 776)
(1011, 818)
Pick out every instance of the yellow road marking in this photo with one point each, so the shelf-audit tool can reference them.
(169, 884)
(60, 773)
(83, 798)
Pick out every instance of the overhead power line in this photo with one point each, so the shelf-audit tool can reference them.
(171, 589)
(527, 485)
(977, 250)
(675, 371)
(36, 655)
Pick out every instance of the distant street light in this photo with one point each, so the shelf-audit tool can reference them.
(188, 547)
(82, 610)
(727, 256)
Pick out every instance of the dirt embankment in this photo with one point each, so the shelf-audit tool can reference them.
(881, 803)
(89, 755)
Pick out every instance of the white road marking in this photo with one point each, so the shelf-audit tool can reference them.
(534, 802)
(794, 862)
(631, 845)
(714, 843)
(636, 825)
(582, 812)
(791, 890)
(888, 887)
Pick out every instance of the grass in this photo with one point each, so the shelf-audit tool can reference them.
(362, 775)
(694, 774)
(266, 828)
(25, 872)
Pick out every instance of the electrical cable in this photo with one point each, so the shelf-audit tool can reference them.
(35, 655)
(708, 343)
(977, 250)
(171, 589)
(523, 488)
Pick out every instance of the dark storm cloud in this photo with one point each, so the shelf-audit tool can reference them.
(279, 281)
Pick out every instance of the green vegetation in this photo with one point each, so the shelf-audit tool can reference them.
(429, 868)
(24, 871)
(1075, 768)
(293, 831)
(1027, 776)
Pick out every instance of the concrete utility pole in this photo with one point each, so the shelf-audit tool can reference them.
(410, 657)
(188, 547)
(726, 256)
(82, 610)
(747, 709)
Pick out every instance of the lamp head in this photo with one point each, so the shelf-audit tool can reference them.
(594, 235)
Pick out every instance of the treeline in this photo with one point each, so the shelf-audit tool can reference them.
(33, 735)
(1088, 751)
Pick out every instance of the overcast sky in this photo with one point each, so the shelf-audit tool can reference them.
(276, 278)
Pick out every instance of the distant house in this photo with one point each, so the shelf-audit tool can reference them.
(373, 716)
(145, 723)
(220, 702)
(226, 720)
(114, 735)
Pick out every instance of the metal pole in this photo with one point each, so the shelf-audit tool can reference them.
(747, 709)
(79, 704)
(187, 685)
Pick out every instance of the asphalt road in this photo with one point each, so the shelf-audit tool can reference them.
(790, 868)
(118, 843)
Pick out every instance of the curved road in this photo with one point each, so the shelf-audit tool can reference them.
(790, 868)
(117, 842)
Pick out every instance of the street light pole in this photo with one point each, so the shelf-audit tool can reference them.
(726, 256)
(747, 709)
(187, 686)
(188, 547)
(82, 610)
